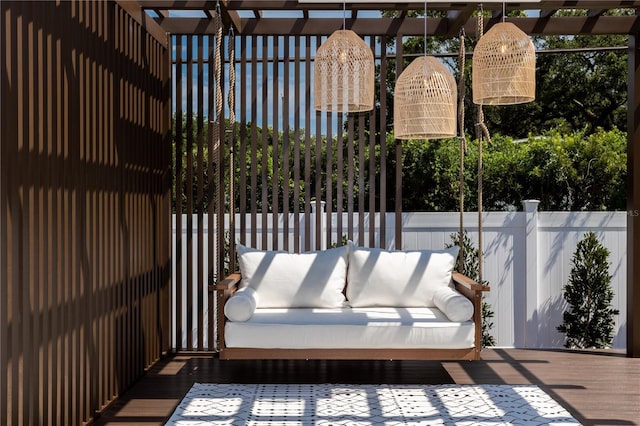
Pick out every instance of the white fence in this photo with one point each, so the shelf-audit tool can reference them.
(527, 259)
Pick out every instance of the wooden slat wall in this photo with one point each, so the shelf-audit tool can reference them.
(84, 208)
(297, 157)
(286, 175)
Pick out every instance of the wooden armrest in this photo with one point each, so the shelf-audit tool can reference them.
(229, 283)
(467, 282)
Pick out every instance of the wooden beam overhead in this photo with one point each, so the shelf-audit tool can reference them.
(148, 23)
(548, 13)
(409, 26)
(456, 19)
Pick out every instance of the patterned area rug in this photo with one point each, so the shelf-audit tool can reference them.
(332, 404)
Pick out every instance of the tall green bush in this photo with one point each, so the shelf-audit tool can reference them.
(589, 321)
(470, 268)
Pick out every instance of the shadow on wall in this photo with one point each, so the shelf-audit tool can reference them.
(545, 320)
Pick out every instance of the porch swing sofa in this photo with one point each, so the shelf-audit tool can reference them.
(349, 302)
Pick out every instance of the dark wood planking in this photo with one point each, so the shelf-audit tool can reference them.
(437, 27)
(80, 91)
(607, 395)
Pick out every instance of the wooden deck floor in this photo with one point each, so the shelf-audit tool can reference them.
(597, 387)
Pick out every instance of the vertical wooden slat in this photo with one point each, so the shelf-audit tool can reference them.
(211, 187)
(242, 162)
(49, 317)
(296, 148)
(254, 140)
(275, 160)
(340, 177)
(398, 189)
(200, 192)
(307, 146)
(178, 327)
(6, 132)
(329, 184)
(39, 285)
(29, 206)
(264, 182)
(317, 237)
(350, 175)
(111, 199)
(383, 142)
(361, 171)
(189, 194)
(372, 164)
(318, 178)
(285, 143)
(13, 228)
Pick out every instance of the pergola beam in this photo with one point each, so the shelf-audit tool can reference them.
(410, 26)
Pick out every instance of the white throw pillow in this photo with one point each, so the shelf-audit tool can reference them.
(453, 304)
(241, 306)
(380, 277)
(295, 280)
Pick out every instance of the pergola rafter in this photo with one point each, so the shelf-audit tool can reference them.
(541, 17)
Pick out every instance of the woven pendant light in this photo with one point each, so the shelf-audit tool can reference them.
(504, 67)
(425, 101)
(344, 74)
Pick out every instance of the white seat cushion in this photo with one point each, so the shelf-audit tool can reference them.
(295, 280)
(349, 328)
(378, 277)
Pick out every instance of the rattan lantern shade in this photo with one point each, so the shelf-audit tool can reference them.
(504, 67)
(344, 74)
(425, 101)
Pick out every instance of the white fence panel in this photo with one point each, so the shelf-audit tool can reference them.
(558, 235)
(527, 260)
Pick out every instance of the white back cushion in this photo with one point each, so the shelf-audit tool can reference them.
(380, 277)
(295, 280)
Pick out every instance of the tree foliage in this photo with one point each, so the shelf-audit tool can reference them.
(469, 266)
(570, 172)
(566, 172)
(589, 321)
(578, 89)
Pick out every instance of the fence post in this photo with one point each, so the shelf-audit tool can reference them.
(323, 226)
(529, 340)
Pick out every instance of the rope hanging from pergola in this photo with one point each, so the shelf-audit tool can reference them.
(463, 144)
(218, 148)
(231, 101)
(483, 132)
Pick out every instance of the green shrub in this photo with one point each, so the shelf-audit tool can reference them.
(589, 321)
(470, 268)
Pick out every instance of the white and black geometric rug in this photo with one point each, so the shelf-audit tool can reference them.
(389, 405)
